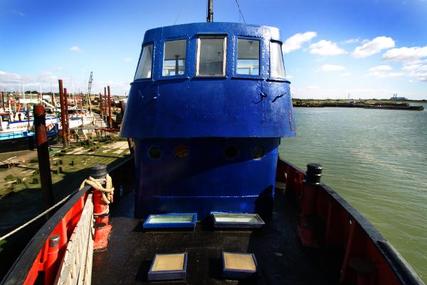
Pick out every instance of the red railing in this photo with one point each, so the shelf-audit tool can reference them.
(326, 221)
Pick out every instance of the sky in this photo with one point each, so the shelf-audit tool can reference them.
(332, 48)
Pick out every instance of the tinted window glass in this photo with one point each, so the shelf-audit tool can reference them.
(248, 57)
(211, 56)
(145, 63)
(277, 68)
(174, 58)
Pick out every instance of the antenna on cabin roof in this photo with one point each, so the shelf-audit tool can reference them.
(209, 18)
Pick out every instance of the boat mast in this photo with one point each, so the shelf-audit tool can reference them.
(209, 18)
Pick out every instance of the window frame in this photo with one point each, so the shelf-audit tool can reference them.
(152, 62)
(185, 62)
(224, 58)
(235, 60)
(283, 62)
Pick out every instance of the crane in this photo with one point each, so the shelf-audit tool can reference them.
(89, 87)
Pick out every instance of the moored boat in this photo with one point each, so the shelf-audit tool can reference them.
(207, 110)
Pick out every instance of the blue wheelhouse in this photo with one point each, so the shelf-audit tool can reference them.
(206, 110)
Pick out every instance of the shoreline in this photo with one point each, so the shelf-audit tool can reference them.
(365, 104)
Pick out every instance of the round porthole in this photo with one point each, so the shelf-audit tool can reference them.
(258, 152)
(154, 152)
(182, 151)
(231, 152)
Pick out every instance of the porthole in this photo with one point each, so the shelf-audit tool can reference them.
(231, 152)
(182, 151)
(154, 152)
(258, 152)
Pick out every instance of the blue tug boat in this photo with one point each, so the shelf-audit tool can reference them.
(206, 110)
(213, 203)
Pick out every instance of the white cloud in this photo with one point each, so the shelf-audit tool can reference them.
(374, 46)
(332, 67)
(326, 48)
(406, 53)
(8, 78)
(352, 41)
(296, 41)
(127, 59)
(383, 71)
(75, 49)
(416, 70)
(414, 60)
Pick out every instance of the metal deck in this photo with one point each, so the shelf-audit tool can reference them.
(280, 256)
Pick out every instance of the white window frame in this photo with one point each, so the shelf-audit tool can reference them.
(185, 61)
(224, 52)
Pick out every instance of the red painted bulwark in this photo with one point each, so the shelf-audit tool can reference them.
(327, 221)
(51, 254)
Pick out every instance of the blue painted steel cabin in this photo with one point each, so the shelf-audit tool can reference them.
(207, 108)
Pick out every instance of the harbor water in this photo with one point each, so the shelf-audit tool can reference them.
(377, 160)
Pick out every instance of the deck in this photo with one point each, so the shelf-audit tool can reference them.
(280, 256)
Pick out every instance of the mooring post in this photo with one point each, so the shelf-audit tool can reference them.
(105, 103)
(67, 121)
(110, 119)
(101, 106)
(63, 104)
(43, 154)
(306, 228)
(2, 100)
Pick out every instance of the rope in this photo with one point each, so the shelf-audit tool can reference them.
(107, 198)
(107, 191)
(36, 217)
(240, 11)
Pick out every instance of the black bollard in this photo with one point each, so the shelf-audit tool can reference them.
(313, 173)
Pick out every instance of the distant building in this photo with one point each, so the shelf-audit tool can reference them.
(395, 98)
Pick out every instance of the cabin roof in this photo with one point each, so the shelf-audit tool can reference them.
(189, 30)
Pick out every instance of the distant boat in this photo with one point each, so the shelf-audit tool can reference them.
(19, 135)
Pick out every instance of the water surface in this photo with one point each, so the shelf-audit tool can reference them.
(377, 160)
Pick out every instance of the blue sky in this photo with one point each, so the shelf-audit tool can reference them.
(333, 48)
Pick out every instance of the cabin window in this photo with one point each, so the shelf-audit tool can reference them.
(211, 54)
(145, 63)
(277, 68)
(247, 57)
(174, 58)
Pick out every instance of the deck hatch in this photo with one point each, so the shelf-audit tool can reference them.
(168, 267)
(238, 265)
(236, 220)
(171, 221)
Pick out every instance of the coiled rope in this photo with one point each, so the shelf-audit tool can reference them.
(107, 191)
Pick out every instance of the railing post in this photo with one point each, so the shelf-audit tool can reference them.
(306, 230)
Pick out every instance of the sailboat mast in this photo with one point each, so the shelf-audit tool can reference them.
(209, 18)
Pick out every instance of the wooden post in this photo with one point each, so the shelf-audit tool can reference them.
(110, 119)
(2, 100)
(64, 115)
(101, 113)
(105, 103)
(43, 154)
